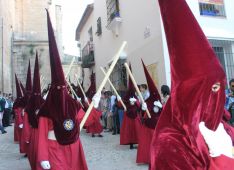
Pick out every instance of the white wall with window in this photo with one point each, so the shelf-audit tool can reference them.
(216, 18)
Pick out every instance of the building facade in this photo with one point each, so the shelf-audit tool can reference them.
(23, 28)
(7, 22)
(107, 23)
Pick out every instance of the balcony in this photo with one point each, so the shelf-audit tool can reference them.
(88, 55)
(113, 16)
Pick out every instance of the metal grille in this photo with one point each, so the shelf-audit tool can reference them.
(212, 9)
(224, 52)
(112, 10)
(119, 76)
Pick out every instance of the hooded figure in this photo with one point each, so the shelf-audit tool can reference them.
(18, 107)
(147, 127)
(31, 111)
(24, 140)
(22, 88)
(197, 94)
(128, 132)
(92, 88)
(58, 120)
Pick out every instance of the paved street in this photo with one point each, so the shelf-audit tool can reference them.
(101, 153)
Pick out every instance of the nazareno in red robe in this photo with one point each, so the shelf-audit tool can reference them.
(128, 131)
(145, 135)
(25, 137)
(18, 121)
(93, 124)
(61, 157)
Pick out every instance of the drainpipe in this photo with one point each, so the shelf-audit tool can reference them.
(12, 63)
(2, 60)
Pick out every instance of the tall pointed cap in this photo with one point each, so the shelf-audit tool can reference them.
(35, 101)
(36, 77)
(22, 88)
(190, 52)
(57, 75)
(59, 106)
(131, 89)
(29, 79)
(18, 89)
(92, 88)
(154, 94)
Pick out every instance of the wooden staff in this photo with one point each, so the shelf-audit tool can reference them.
(69, 68)
(82, 90)
(115, 60)
(136, 87)
(115, 91)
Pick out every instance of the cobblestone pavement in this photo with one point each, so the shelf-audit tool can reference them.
(101, 153)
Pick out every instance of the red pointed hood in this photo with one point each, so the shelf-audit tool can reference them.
(194, 70)
(19, 98)
(18, 89)
(194, 65)
(92, 88)
(131, 92)
(59, 106)
(35, 100)
(29, 79)
(154, 94)
(23, 89)
(36, 77)
(132, 110)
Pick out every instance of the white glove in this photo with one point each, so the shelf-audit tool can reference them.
(96, 99)
(219, 142)
(158, 104)
(45, 164)
(118, 98)
(144, 106)
(86, 100)
(21, 126)
(78, 99)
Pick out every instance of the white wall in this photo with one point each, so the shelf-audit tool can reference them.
(136, 16)
(215, 27)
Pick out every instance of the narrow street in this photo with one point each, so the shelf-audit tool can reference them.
(101, 153)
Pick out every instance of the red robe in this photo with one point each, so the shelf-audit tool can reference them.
(61, 157)
(145, 136)
(33, 149)
(93, 124)
(221, 163)
(18, 121)
(25, 137)
(128, 132)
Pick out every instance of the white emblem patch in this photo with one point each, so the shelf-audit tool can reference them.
(68, 124)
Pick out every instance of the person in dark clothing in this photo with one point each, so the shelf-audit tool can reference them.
(116, 123)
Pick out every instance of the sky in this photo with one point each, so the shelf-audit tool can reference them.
(72, 13)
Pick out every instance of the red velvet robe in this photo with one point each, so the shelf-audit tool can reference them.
(18, 121)
(61, 157)
(221, 163)
(25, 137)
(145, 136)
(128, 132)
(33, 149)
(93, 124)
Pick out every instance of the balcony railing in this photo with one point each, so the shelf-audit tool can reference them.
(88, 55)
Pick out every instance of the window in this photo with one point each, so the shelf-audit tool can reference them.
(212, 8)
(224, 52)
(90, 32)
(112, 10)
(99, 27)
(119, 76)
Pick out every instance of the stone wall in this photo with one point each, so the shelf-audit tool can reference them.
(6, 27)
